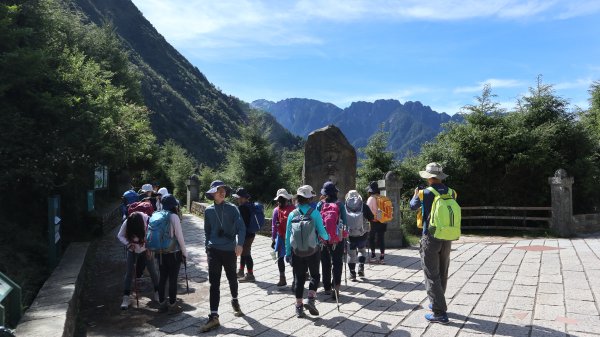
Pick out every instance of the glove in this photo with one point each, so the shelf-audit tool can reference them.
(272, 244)
(288, 259)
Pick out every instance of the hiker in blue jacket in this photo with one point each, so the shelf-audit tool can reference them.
(224, 232)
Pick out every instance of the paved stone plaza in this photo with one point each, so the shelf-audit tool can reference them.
(498, 286)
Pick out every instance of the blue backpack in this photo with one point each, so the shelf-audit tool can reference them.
(129, 197)
(158, 236)
(257, 217)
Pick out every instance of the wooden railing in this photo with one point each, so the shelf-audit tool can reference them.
(524, 218)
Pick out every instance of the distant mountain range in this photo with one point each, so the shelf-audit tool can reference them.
(185, 106)
(410, 124)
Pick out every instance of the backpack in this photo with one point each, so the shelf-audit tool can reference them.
(129, 197)
(282, 218)
(330, 212)
(304, 235)
(158, 236)
(445, 216)
(257, 217)
(354, 217)
(385, 209)
(140, 206)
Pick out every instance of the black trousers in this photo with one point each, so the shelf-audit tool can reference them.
(332, 255)
(300, 265)
(168, 265)
(377, 229)
(217, 261)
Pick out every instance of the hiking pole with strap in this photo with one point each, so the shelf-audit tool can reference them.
(187, 285)
(337, 300)
(137, 299)
(345, 262)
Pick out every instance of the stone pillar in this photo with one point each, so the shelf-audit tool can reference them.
(193, 190)
(562, 203)
(328, 156)
(390, 187)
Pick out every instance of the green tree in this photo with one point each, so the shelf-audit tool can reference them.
(377, 160)
(178, 165)
(292, 162)
(252, 164)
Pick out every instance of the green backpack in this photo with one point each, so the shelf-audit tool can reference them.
(445, 216)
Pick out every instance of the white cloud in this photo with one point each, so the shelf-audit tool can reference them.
(223, 24)
(493, 82)
(580, 83)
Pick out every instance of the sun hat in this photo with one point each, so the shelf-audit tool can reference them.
(241, 193)
(329, 188)
(373, 188)
(305, 191)
(169, 203)
(147, 188)
(433, 170)
(163, 191)
(282, 192)
(213, 189)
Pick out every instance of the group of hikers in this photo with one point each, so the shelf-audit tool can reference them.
(315, 235)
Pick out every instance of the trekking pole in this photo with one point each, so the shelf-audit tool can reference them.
(337, 300)
(345, 263)
(137, 299)
(187, 285)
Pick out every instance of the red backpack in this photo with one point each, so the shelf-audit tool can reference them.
(330, 212)
(140, 206)
(282, 218)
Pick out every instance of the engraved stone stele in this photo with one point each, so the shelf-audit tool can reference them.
(329, 156)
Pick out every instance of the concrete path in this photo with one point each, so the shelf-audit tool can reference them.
(499, 287)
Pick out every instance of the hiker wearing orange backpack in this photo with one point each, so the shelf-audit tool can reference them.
(382, 215)
(333, 213)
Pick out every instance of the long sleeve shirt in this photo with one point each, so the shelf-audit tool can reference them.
(174, 230)
(222, 222)
(135, 246)
(275, 223)
(426, 203)
(316, 217)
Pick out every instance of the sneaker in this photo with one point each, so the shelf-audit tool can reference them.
(361, 273)
(248, 278)
(309, 304)
(352, 276)
(237, 311)
(164, 307)
(240, 273)
(299, 311)
(156, 297)
(213, 323)
(442, 319)
(125, 303)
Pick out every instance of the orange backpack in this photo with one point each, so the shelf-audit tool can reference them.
(385, 209)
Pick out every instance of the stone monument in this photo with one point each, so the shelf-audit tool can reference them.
(193, 190)
(561, 188)
(329, 156)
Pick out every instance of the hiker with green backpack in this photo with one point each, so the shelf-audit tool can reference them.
(304, 225)
(441, 225)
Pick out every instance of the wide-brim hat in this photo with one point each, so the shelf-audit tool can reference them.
(433, 170)
(163, 191)
(329, 188)
(373, 187)
(213, 189)
(241, 193)
(147, 188)
(282, 192)
(305, 191)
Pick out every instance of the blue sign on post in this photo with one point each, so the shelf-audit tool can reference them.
(53, 230)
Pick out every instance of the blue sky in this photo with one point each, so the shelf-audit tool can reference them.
(439, 52)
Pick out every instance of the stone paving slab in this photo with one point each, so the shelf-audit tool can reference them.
(497, 287)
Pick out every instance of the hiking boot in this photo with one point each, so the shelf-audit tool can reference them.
(282, 282)
(361, 270)
(125, 303)
(353, 276)
(240, 273)
(309, 304)
(299, 311)
(213, 323)
(237, 311)
(248, 278)
(433, 318)
(164, 306)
